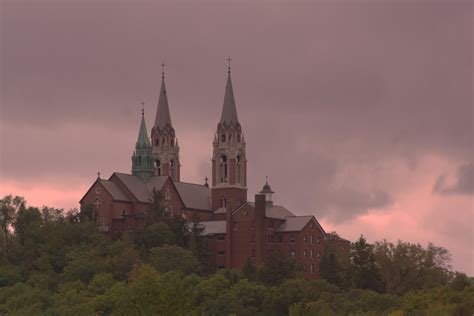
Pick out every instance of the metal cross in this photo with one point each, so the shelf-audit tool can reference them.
(98, 175)
(143, 107)
(229, 60)
(163, 69)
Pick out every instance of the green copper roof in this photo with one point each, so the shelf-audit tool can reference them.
(143, 140)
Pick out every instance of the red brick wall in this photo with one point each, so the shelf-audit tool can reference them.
(234, 196)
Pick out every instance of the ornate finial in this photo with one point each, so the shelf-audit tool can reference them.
(206, 184)
(163, 69)
(266, 179)
(228, 66)
(143, 108)
(98, 174)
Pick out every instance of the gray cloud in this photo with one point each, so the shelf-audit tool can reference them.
(462, 184)
(322, 89)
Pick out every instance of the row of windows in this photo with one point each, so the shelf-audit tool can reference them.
(231, 137)
(224, 169)
(163, 142)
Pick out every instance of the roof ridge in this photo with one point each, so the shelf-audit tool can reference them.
(201, 185)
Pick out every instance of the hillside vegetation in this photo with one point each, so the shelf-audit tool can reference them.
(56, 263)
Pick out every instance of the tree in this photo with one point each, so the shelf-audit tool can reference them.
(157, 212)
(363, 270)
(198, 243)
(330, 267)
(9, 205)
(278, 268)
(169, 258)
(405, 266)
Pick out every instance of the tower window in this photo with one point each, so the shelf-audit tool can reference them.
(158, 167)
(139, 160)
(239, 167)
(157, 141)
(238, 138)
(223, 167)
(223, 203)
(223, 138)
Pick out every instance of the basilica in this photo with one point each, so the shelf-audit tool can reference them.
(237, 229)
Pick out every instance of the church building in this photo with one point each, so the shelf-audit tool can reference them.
(237, 229)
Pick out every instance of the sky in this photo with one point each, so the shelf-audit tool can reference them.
(359, 112)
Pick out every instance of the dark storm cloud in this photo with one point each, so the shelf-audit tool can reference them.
(463, 182)
(392, 78)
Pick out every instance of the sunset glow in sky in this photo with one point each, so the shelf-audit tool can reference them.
(359, 112)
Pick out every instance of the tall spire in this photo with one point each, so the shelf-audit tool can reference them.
(163, 116)
(229, 110)
(143, 139)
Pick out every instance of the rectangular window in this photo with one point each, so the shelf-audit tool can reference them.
(221, 237)
(253, 239)
(305, 238)
(292, 253)
(235, 225)
(318, 240)
(270, 224)
(312, 239)
(292, 238)
(311, 253)
(280, 238)
(305, 253)
(221, 252)
(270, 238)
(253, 253)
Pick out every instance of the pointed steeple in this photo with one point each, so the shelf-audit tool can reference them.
(143, 140)
(142, 158)
(163, 117)
(229, 110)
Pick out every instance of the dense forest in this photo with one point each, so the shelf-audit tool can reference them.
(59, 263)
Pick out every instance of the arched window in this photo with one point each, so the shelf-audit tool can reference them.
(139, 160)
(238, 137)
(158, 167)
(231, 134)
(239, 167)
(223, 137)
(172, 168)
(157, 141)
(224, 169)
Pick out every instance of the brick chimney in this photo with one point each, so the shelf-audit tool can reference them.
(228, 238)
(260, 208)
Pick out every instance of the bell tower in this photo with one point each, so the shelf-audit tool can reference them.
(165, 147)
(229, 160)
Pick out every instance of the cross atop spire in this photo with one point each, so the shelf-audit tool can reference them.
(162, 69)
(229, 110)
(228, 65)
(163, 117)
(143, 108)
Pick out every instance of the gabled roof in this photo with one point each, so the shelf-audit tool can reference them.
(276, 211)
(163, 117)
(295, 223)
(114, 190)
(213, 227)
(140, 189)
(195, 196)
(229, 110)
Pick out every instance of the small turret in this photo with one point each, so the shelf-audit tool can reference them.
(267, 190)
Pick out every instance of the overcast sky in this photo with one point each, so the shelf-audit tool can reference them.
(359, 112)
